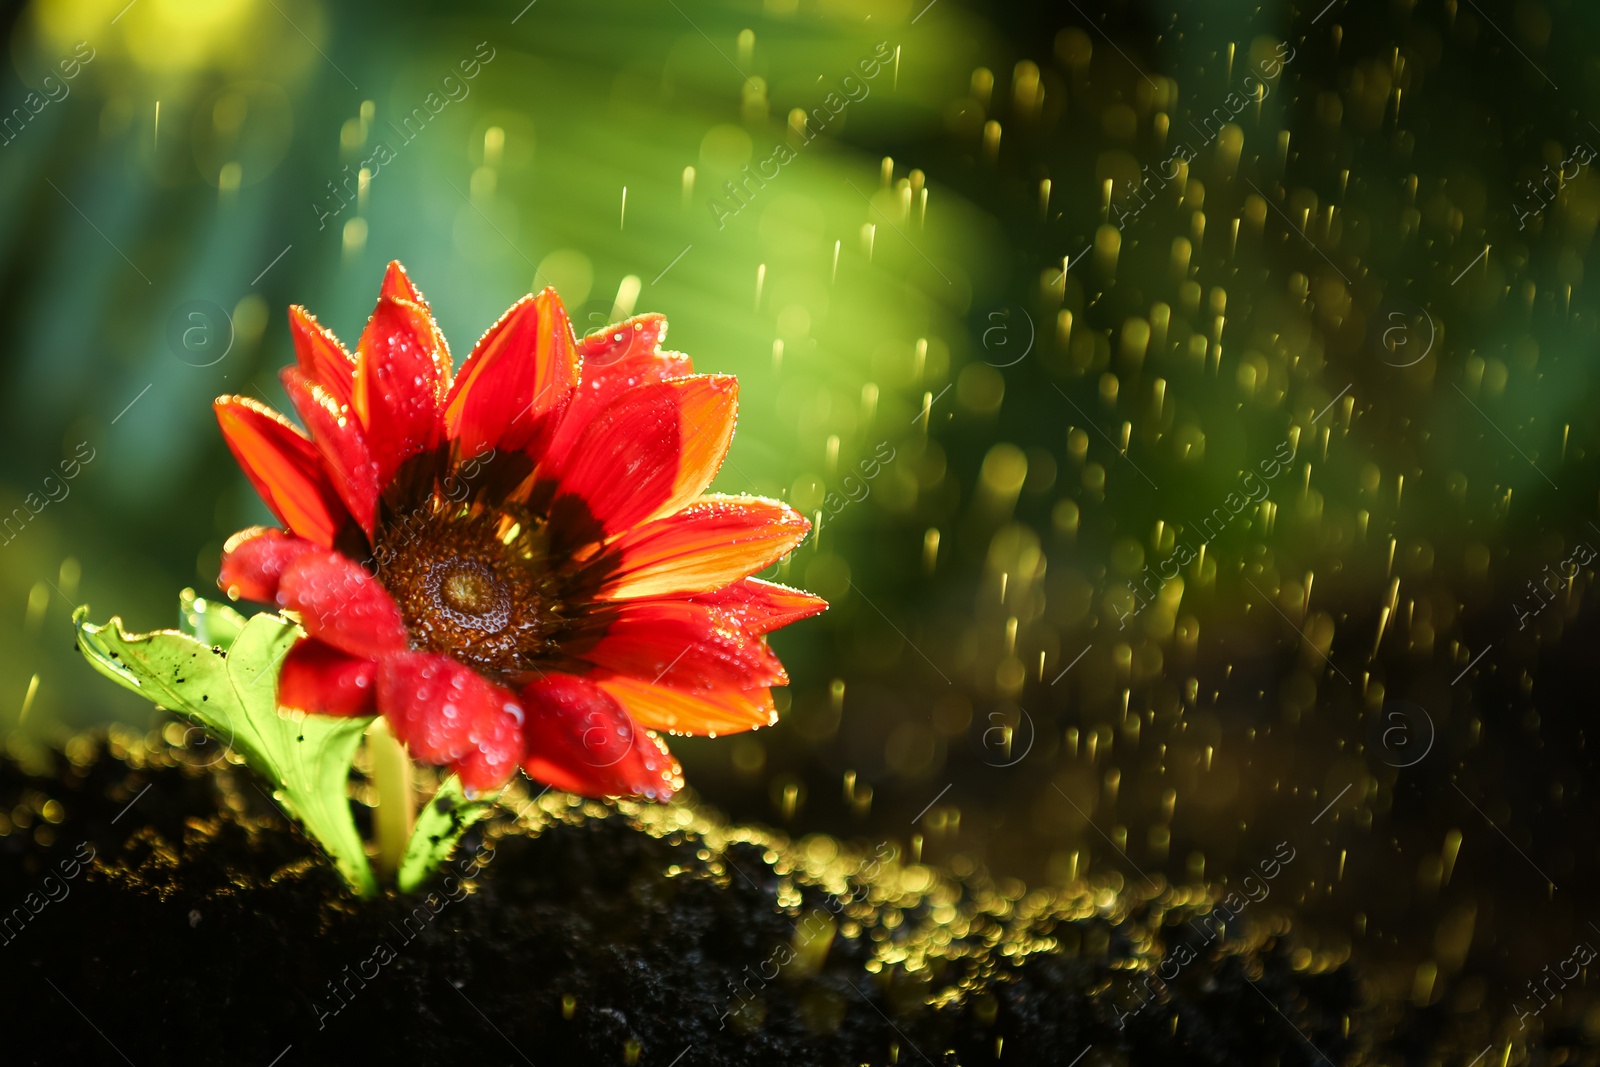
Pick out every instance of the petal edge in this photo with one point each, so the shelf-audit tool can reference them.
(284, 467)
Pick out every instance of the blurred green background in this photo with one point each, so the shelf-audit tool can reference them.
(1083, 273)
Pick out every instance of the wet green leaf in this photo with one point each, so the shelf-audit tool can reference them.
(233, 695)
(440, 825)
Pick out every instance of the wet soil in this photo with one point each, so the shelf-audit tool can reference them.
(158, 913)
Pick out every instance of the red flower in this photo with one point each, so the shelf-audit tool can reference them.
(514, 565)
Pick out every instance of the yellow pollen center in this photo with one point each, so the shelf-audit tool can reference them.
(469, 592)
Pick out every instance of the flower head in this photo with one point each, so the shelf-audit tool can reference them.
(514, 564)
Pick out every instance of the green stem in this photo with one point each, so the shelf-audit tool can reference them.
(391, 774)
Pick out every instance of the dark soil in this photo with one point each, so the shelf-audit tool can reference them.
(204, 930)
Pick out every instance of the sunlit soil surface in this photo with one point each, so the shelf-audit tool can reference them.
(170, 904)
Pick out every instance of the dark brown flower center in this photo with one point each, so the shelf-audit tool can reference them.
(476, 585)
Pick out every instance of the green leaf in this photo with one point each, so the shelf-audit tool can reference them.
(233, 695)
(307, 757)
(210, 622)
(440, 826)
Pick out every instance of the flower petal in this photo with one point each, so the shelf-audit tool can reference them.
(341, 603)
(253, 562)
(713, 541)
(684, 645)
(338, 437)
(402, 364)
(398, 284)
(635, 339)
(318, 678)
(718, 711)
(321, 356)
(615, 360)
(580, 740)
(760, 606)
(284, 467)
(651, 451)
(445, 711)
(516, 382)
(495, 755)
